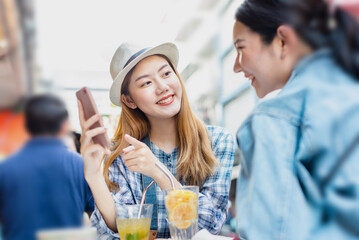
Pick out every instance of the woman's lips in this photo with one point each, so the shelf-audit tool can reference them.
(250, 78)
(166, 101)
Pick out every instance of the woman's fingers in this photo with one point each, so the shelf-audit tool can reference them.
(131, 162)
(134, 165)
(134, 142)
(88, 135)
(90, 149)
(128, 149)
(138, 153)
(91, 121)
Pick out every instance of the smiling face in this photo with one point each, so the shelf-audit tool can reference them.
(154, 88)
(261, 63)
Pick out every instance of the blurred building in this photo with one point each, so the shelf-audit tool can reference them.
(62, 45)
(16, 70)
(59, 46)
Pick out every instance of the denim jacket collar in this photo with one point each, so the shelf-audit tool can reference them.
(305, 61)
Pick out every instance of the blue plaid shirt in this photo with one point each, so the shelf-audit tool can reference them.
(213, 196)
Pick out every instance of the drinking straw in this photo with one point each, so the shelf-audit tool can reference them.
(143, 198)
(149, 185)
(167, 174)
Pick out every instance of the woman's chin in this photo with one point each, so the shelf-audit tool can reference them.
(260, 94)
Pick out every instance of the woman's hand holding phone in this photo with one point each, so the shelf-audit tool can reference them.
(91, 153)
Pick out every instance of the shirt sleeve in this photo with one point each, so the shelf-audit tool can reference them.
(126, 181)
(213, 196)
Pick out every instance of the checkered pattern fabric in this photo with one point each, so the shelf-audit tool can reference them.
(213, 196)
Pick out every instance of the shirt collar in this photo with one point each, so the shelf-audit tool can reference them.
(305, 61)
(45, 141)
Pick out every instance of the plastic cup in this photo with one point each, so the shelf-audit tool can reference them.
(129, 226)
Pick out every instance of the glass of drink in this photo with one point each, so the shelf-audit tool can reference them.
(129, 225)
(182, 212)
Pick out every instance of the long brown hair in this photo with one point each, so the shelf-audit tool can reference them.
(196, 160)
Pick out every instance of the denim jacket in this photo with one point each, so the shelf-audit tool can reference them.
(290, 145)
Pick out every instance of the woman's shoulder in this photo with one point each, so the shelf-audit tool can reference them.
(219, 135)
(217, 130)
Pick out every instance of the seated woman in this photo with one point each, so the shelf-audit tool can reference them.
(157, 121)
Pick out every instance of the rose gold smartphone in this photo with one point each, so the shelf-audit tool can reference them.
(89, 107)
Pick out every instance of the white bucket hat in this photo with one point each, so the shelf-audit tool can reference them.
(127, 56)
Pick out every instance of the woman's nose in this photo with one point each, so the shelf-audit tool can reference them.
(237, 66)
(162, 86)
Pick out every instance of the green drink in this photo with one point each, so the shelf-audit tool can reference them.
(129, 226)
(134, 229)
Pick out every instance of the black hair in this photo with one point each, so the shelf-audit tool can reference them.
(312, 21)
(44, 115)
(77, 140)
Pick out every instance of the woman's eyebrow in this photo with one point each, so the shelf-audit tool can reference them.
(147, 75)
(163, 66)
(143, 76)
(237, 41)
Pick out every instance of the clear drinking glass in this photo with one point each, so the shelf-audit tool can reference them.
(129, 226)
(182, 212)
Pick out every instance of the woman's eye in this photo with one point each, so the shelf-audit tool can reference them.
(145, 84)
(166, 74)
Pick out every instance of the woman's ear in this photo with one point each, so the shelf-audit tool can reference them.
(126, 99)
(288, 40)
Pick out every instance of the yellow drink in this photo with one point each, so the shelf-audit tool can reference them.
(182, 210)
(182, 207)
(134, 228)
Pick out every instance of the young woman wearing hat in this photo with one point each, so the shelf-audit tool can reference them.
(300, 149)
(156, 120)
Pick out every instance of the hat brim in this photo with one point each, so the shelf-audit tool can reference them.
(167, 49)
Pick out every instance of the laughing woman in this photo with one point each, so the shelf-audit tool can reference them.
(157, 121)
(300, 161)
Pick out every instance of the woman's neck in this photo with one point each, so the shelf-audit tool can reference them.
(163, 134)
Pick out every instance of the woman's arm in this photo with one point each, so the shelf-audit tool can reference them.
(129, 188)
(104, 201)
(92, 154)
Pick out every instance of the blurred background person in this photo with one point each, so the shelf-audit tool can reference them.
(300, 163)
(42, 185)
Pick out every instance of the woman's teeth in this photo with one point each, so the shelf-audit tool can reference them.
(251, 77)
(165, 100)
